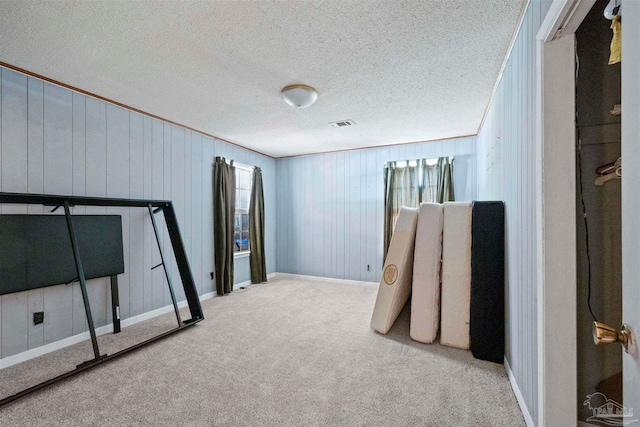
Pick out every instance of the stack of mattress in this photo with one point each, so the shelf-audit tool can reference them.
(451, 258)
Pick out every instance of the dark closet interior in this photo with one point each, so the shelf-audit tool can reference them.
(598, 92)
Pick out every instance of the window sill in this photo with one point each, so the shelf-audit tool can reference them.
(241, 254)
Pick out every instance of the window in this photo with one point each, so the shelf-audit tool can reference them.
(411, 182)
(244, 181)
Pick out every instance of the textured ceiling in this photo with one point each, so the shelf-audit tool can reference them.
(401, 70)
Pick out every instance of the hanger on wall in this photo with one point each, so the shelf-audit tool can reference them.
(608, 172)
(612, 9)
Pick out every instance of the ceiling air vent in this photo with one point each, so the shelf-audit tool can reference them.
(342, 123)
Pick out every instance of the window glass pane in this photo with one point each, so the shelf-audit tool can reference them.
(244, 183)
(242, 202)
(245, 240)
(245, 180)
(237, 247)
(249, 180)
(239, 199)
(238, 222)
(245, 222)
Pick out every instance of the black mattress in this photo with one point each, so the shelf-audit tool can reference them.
(487, 281)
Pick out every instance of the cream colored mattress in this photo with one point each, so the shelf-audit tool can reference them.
(456, 275)
(395, 284)
(425, 291)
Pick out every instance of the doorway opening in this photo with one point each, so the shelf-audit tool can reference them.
(598, 207)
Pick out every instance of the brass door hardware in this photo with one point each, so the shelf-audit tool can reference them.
(603, 334)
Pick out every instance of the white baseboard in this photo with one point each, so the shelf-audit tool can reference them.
(248, 282)
(518, 393)
(75, 339)
(325, 279)
(241, 285)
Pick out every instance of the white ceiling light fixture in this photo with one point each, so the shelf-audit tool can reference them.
(300, 96)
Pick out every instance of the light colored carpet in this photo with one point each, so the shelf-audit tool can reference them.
(288, 353)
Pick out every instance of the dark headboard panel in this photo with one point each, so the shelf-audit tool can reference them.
(35, 250)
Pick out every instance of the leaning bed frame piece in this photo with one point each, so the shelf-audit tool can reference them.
(154, 207)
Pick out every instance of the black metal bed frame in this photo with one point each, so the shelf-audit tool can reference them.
(154, 207)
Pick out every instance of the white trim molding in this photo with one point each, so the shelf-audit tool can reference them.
(516, 390)
(556, 212)
(630, 200)
(326, 279)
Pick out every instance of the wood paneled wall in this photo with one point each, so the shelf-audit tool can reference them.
(331, 206)
(506, 171)
(56, 141)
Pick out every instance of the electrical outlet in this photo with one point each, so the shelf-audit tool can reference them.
(38, 317)
(211, 275)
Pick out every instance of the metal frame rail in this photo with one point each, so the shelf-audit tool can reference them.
(154, 207)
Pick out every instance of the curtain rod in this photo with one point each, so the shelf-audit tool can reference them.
(451, 158)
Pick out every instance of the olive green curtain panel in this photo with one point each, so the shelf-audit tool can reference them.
(257, 260)
(411, 183)
(445, 180)
(224, 194)
(402, 188)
